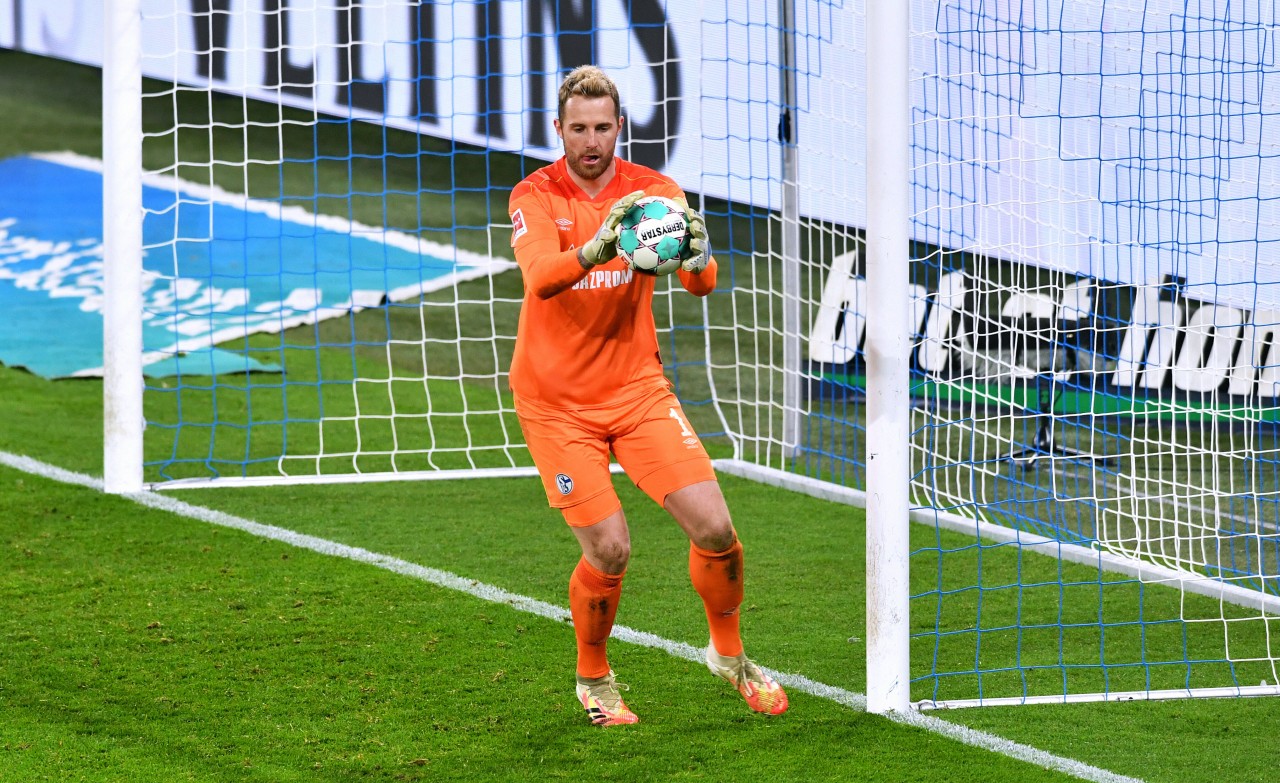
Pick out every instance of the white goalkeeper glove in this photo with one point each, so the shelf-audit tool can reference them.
(603, 247)
(699, 243)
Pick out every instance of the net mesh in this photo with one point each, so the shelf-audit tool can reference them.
(330, 287)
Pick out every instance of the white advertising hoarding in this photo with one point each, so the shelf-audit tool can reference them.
(1126, 140)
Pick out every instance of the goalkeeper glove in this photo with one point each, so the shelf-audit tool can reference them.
(603, 247)
(699, 243)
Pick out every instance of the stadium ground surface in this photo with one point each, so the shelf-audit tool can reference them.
(142, 646)
(796, 683)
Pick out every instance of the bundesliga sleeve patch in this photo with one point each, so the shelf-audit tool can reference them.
(518, 228)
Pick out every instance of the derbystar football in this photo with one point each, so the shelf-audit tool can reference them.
(654, 236)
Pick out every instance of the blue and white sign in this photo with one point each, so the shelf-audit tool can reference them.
(216, 266)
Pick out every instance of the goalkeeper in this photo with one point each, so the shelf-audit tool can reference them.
(587, 380)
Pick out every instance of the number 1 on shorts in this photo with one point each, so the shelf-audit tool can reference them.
(684, 428)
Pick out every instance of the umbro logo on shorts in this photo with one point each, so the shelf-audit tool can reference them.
(564, 483)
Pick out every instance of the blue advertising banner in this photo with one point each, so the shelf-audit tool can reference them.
(216, 266)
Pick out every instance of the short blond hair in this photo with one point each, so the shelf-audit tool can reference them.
(588, 81)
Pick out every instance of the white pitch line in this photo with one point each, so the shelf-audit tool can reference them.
(485, 592)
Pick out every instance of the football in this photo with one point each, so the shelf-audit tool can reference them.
(654, 236)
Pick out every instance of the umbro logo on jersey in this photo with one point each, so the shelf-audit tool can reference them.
(564, 223)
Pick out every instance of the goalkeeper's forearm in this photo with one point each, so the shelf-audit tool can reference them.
(699, 283)
(548, 275)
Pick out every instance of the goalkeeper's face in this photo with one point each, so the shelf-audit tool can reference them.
(589, 131)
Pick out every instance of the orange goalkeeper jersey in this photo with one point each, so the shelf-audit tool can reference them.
(586, 338)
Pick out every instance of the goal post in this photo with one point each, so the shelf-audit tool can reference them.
(997, 270)
(888, 355)
(122, 248)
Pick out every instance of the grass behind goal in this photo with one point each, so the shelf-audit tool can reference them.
(139, 645)
(144, 646)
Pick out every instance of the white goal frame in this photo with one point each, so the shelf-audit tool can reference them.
(888, 351)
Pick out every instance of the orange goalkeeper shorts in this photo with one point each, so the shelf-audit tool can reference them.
(649, 436)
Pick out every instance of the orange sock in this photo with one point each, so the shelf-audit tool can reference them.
(593, 602)
(717, 576)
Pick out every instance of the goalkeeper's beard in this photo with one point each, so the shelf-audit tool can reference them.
(593, 171)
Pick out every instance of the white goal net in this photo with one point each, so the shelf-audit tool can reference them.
(328, 292)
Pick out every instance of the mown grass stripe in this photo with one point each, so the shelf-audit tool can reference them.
(490, 593)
